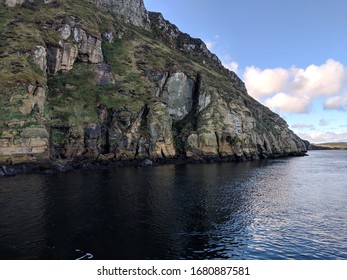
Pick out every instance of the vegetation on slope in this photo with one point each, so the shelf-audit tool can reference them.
(330, 146)
(137, 59)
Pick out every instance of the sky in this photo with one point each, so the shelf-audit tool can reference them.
(292, 55)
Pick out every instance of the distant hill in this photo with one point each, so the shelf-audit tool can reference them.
(330, 146)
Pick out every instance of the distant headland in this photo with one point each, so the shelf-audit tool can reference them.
(330, 146)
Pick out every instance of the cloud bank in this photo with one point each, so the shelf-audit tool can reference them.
(292, 90)
(303, 126)
(336, 103)
(324, 136)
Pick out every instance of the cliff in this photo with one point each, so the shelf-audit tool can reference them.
(108, 81)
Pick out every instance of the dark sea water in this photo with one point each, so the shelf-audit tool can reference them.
(289, 208)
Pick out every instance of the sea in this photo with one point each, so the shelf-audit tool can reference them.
(285, 208)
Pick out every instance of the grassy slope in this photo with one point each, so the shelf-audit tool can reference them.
(73, 97)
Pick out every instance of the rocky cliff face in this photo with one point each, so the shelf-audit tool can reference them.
(131, 11)
(80, 84)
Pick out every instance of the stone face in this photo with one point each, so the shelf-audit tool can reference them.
(85, 47)
(178, 94)
(89, 47)
(132, 11)
(62, 58)
(176, 90)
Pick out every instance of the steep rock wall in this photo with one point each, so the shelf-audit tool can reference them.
(112, 93)
(132, 11)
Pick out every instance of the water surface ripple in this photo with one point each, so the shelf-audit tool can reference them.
(291, 208)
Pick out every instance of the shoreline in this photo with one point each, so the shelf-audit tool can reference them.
(326, 148)
(49, 167)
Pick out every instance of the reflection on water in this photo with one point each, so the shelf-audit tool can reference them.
(293, 208)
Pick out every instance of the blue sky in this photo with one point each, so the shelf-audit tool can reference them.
(292, 55)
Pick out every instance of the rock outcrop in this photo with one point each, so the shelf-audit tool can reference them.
(131, 11)
(126, 86)
(12, 3)
(180, 40)
(31, 146)
(83, 47)
(177, 93)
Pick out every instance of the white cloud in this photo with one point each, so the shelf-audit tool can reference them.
(302, 126)
(336, 103)
(289, 104)
(229, 63)
(233, 66)
(261, 83)
(317, 81)
(324, 136)
(292, 90)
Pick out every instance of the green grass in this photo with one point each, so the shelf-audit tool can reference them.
(73, 97)
(116, 55)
